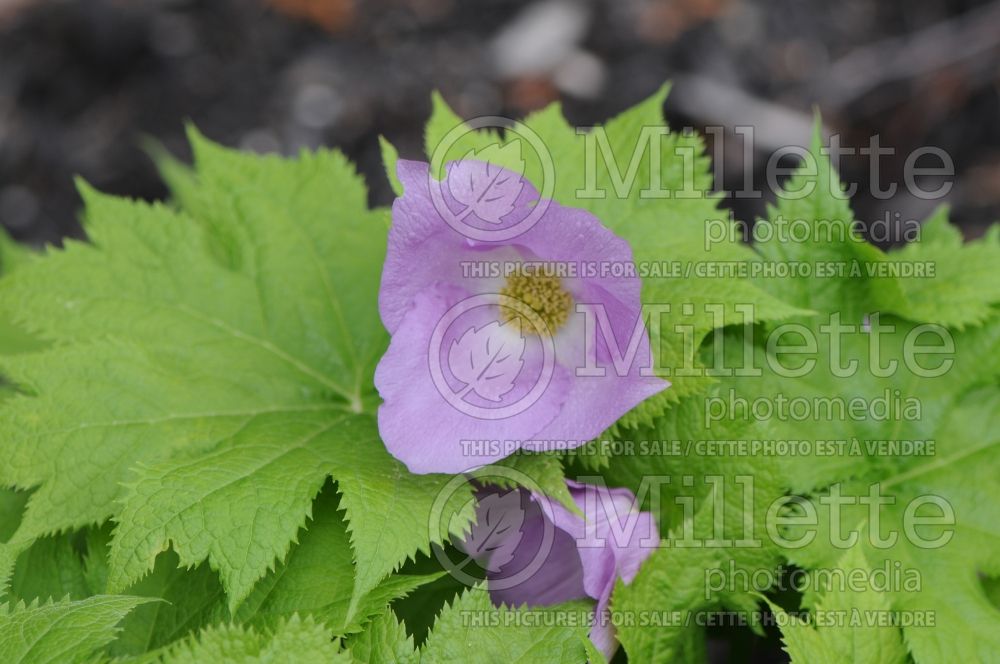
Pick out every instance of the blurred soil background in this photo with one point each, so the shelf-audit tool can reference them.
(83, 84)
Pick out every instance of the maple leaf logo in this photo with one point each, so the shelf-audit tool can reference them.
(488, 359)
(484, 188)
(497, 533)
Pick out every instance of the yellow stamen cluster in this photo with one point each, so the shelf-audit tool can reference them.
(544, 294)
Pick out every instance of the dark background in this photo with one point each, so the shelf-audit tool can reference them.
(81, 83)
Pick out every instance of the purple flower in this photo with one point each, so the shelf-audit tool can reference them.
(486, 291)
(538, 553)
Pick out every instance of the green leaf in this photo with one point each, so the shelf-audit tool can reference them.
(697, 304)
(812, 227)
(52, 568)
(851, 628)
(11, 253)
(385, 640)
(13, 338)
(992, 587)
(193, 598)
(309, 227)
(959, 287)
(872, 344)
(75, 566)
(389, 159)
(445, 124)
(471, 629)
(893, 405)
(213, 367)
(418, 610)
(542, 471)
(317, 579)
(63, 632)
(936, 229)
(389, 512)
(594, 656)
(711, 504)
(962, 475)
(296, 641)
(954, 410)
(274, 465)
(11, 508)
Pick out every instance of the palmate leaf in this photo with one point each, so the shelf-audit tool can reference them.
(315, 580)
(698, 304)
(65, 632)
(712, 510)
(471, 629)
(542, 471)
(963, 475)
(215, 362)
(295, 641)
(74, 567)
(210, 371)
(214, 504)
(851, 630)
(815, 230)
(810, 227)
(828, 396)
(192, 598)
(957, 412)
(318, 578)
(674, 578)
(964, 288)
(385, 640)
(920, 306)
(52, 568)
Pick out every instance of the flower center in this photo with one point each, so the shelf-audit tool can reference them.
(545, 296)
